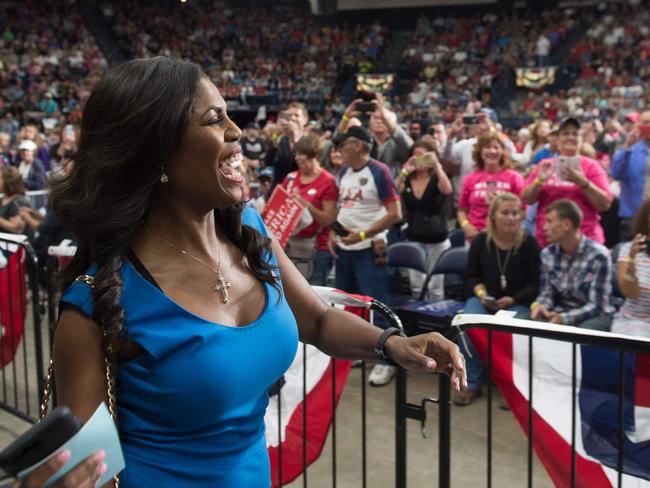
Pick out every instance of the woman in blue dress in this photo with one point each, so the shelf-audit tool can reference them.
(198, 308)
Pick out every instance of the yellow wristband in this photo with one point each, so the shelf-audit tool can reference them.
(533, 305)
(464, 223)
(630, 259)
(345, 117)
(405, 172)
(539, 182)
(481, 292)
(362, 235)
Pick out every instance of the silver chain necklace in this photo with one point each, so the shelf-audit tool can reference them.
(221, 285)
(502, 269)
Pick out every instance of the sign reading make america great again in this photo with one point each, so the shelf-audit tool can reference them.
(281, 215)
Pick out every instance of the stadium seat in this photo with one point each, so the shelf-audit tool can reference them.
(422, 316)
(409, 255)
(403, 255)
(457, 238)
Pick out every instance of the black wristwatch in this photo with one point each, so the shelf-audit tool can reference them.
(381, 342)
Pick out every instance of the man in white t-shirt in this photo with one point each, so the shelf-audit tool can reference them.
(543, 49)
(369, 205)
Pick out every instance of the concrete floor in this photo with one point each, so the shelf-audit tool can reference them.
(468, 442)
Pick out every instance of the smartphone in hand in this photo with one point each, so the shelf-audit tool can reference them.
(40, 441)
(338, 229)
(489, 300)
(427, 160)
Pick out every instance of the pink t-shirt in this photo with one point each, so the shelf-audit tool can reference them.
(478, 189)
(555, 188)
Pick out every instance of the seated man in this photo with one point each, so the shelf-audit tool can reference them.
(575, 279)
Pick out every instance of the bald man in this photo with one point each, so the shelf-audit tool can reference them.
(630, 166)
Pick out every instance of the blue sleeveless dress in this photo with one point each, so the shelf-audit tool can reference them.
(191, 408)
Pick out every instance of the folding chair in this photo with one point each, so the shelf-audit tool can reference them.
(423, 316)
(457, 238)
(404, 255)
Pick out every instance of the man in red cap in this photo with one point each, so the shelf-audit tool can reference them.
(415, 130)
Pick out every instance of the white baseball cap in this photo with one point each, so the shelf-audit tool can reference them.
(28, 145)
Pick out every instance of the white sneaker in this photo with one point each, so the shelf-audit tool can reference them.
(381, 374)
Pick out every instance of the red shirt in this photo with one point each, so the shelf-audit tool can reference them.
(322, 189)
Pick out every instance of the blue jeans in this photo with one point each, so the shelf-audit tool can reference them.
(323, 263)
(475, 368)
(356, 272)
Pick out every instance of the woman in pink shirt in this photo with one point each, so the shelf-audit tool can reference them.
(493, 176)
(571, 176)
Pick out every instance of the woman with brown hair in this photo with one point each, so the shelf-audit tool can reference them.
(539, 137)
(424, 187)
(315, 190)
(492, 176)
(634, 278)
(13, 198)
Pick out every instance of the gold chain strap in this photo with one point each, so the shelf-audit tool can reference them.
(110, 376)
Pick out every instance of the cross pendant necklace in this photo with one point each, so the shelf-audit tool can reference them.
(221, 286)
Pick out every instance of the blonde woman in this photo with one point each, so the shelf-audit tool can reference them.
(502, 274)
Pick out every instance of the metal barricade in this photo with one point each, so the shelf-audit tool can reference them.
(536, 332)
(374, 307)
(24, 349)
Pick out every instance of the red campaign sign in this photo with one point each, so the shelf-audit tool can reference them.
(281, 215)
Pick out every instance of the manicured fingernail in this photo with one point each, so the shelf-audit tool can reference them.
(100, 456)
(102, 469)
(63, 456)
(431, 364)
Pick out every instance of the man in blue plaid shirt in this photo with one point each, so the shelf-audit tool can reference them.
(575, 279)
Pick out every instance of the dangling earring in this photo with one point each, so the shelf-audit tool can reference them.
(163, 176)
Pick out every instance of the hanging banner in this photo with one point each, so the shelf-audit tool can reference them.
(375, 83)
(535, 78)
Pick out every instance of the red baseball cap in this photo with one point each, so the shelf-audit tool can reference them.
(633, 117)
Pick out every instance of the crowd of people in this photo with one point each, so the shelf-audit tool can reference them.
(537, 215)
(426, 176)
(287, 56)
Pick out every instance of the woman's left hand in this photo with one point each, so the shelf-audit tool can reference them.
(429, 353)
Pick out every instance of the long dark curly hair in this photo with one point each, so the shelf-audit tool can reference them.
(132, 126)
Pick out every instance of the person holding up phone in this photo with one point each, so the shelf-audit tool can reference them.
(633, 318)
(630, 168)
(390, 143)
(502, 274)
(424, 187)
(584, 182)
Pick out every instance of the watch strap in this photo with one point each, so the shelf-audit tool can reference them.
(381, 343)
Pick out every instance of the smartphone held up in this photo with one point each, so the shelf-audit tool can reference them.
(427, 160)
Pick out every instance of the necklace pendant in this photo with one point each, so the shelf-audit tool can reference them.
(504, 282)
(222, 287)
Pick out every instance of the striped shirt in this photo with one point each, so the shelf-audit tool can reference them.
(577, 286)
(637, 308)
